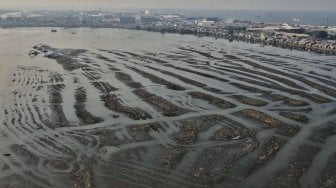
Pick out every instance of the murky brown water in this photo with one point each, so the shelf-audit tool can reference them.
(119, 108)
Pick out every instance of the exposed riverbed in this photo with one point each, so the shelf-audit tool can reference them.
(120, 108)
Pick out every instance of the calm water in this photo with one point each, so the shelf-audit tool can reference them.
(305, 17)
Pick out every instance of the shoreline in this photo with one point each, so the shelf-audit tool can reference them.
(218, 35)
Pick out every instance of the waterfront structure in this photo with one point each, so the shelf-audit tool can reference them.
(303, 37)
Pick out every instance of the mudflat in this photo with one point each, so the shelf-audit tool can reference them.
(119, 108)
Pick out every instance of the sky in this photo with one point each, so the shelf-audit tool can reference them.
(183, 4)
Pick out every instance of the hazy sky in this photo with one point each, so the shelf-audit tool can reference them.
(197, 4)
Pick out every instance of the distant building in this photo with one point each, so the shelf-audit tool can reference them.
(170, 17)
(215, 19)
(205, 23)
(123, 14)
(263, 36)
(331, 30)
(127, 20)
(145, 12)
(148, 20)
(287, 26)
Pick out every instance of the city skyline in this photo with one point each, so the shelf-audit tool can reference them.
(192, 4)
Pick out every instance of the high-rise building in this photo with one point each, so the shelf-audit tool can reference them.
(145, 12)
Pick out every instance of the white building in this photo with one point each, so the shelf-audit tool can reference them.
(145, 12)
(205, 23)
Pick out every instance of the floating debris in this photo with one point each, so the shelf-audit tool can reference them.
(33, 53)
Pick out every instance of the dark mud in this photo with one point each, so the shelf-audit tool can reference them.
(112, 102)
(196, 114)
(81, 112)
